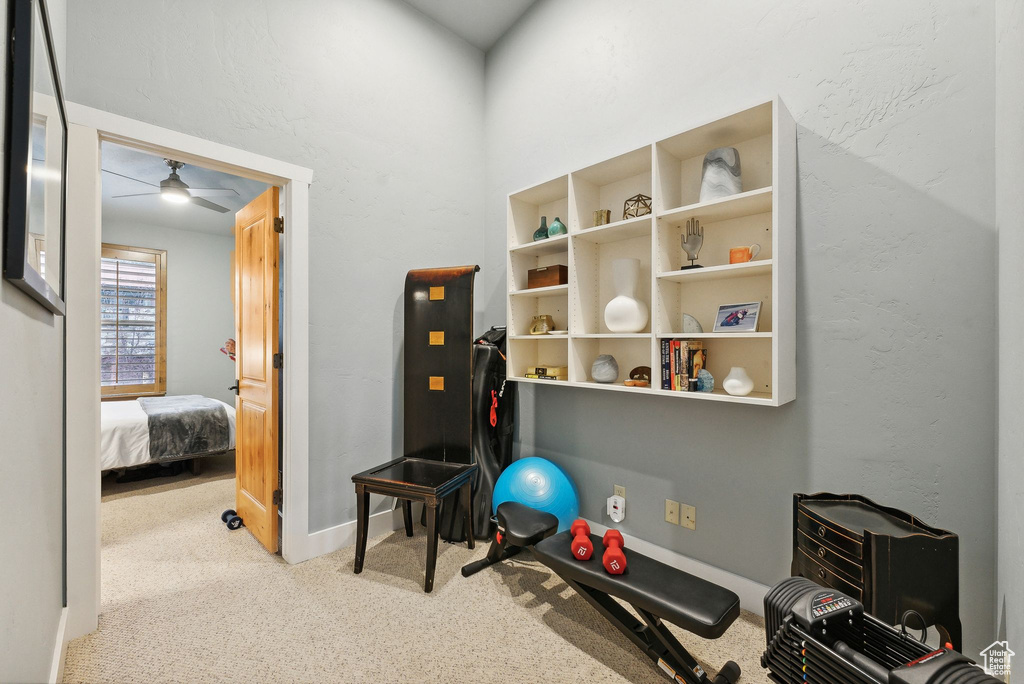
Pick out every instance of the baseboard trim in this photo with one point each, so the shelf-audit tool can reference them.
(751, 593)
(340, 536)
(60, 650)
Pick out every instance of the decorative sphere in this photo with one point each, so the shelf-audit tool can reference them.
(540, 484)
(605, 369)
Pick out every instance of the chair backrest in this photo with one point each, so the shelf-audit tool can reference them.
(439, 363)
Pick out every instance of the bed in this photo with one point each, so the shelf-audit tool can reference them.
(125, 431)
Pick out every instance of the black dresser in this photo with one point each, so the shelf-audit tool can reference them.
(885, 558)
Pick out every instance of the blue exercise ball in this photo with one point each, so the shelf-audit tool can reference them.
(539, 483)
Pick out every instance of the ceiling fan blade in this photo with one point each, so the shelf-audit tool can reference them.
(213, 192)
(200, 202)
(115, 173)
(138, 194)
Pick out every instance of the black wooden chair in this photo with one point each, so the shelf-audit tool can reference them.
(438, 430)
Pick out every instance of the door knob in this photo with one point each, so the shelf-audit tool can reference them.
(234, 388)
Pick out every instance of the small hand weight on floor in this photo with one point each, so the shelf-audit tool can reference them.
(614, 559)
(231, 519)
(582, 547)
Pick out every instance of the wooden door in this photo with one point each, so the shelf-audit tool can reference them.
(256, 342)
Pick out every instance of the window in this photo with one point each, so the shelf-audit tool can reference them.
(133, 321)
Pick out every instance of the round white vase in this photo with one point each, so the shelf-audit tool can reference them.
(737, 382)
(625, 313)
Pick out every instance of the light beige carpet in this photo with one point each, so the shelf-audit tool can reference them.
(186, 600)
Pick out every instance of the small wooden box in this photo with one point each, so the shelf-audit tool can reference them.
(546, 276)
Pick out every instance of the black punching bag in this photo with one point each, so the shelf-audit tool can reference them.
(494, 406)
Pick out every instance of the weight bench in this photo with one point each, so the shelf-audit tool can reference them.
(657, 592)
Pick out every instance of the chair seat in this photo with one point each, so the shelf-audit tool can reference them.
(417, 474)
(525, 526)
(692, 603)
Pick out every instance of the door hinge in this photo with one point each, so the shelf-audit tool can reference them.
(278, 497)
(279, 360)
(279, 224)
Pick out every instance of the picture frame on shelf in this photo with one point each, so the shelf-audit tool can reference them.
(737, 318)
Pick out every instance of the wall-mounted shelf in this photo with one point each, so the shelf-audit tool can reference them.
(669, 170)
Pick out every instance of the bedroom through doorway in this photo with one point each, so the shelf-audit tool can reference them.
(170, 366)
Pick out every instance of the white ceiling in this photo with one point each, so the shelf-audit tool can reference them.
(153, 211)
(481, 22)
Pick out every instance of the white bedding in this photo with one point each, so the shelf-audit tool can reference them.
(124, 433)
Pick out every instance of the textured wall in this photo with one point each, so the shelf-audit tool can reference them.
(385, 107)
(200, 314)
(31, 464)
(895, 251)
(1010, 220)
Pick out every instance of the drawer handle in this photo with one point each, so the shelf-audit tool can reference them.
(821, 552)
(821, 531)
(821, 573)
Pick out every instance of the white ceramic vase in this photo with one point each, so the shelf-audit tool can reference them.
(625, 313)
(737, 382)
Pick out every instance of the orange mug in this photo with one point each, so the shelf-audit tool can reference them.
(740, 255)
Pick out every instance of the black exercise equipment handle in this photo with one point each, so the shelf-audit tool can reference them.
(475, 567)
(729, 674)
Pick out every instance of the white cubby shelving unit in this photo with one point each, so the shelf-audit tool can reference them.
(669, 171)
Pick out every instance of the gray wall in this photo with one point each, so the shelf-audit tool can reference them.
(1010, 220)
(384, 106)
(896, 250)
(31, 464)
(200, 315)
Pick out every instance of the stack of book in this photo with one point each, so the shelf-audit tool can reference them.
(548, 372)
(681, 361)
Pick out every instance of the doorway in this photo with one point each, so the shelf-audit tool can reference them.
(169, 331)
(90, 129)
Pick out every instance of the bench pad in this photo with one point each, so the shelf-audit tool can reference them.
(525, 526)
(692, 603)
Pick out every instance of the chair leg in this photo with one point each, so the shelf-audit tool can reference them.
(407, 516)
(467, 506)
(432, 533)
(362, 525)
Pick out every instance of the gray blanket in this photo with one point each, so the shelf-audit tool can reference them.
(184, 425)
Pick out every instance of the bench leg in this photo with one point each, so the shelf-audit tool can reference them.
(432, 533)
(362, 525)
(466, 493)
(407, 516)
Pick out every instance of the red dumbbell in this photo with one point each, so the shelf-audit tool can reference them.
(582, 547)
(614, 559)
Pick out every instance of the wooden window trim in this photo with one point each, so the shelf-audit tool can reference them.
(159, 258)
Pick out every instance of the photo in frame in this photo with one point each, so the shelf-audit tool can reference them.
(36, 174)
(736, 318)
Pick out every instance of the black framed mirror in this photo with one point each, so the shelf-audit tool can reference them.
(36, 175)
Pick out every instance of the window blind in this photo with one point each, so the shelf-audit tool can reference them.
(128, 322)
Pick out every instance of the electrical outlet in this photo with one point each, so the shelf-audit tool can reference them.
(620, 491)
(688, 517)
(671, 511)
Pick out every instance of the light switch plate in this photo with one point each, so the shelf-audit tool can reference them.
(672, 511)
(620, 491)
(689, 516)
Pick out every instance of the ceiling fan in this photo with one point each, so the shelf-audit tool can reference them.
(175, 190)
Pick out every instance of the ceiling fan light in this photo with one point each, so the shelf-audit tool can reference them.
(175, 195)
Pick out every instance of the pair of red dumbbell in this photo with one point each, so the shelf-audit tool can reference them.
(614, 559)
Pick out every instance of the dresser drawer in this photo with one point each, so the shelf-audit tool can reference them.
(818, 572)
(827, 554)
(817, 529)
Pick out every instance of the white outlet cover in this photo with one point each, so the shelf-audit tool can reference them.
(616, 508)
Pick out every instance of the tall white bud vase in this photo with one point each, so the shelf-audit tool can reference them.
(625, 313)
(737, 382)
